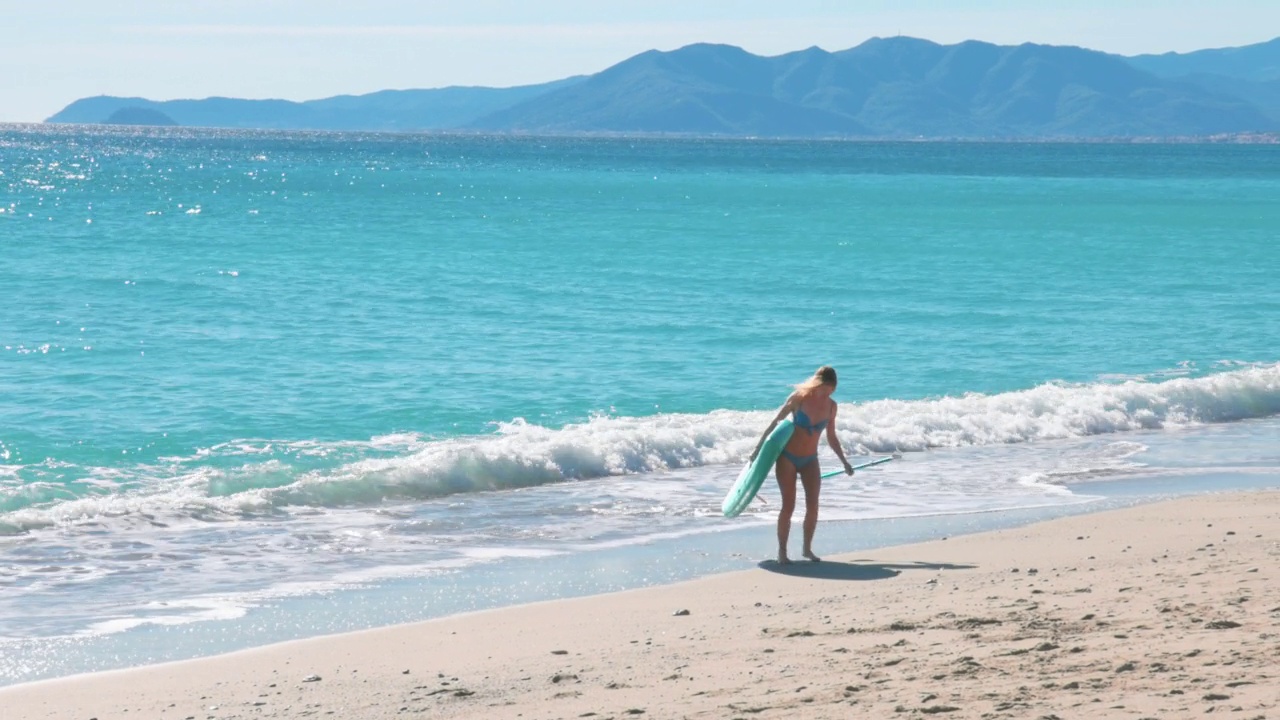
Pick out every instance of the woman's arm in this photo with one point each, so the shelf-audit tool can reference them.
(785, 410)
(834, 441)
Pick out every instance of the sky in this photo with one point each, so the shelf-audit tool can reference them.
(57, 51)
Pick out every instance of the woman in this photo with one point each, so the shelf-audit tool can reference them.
(813, 410)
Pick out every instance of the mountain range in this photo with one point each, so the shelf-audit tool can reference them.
(898, 87)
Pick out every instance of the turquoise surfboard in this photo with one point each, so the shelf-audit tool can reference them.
(752, 477)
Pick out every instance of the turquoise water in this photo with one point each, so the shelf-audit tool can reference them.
(228, 358)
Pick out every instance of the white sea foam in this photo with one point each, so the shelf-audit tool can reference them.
(180, 612)
(1058, 410)
(520, 454)
(200, 562)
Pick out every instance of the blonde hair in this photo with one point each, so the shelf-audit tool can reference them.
(825, 375)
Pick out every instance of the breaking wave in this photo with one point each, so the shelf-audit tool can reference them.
(256, 477)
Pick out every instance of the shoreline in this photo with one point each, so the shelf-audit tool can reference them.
(517, 581)
(1260, 137)
(1152, 609)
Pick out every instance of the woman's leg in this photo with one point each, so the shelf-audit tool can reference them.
(786, 474)
(811, 477)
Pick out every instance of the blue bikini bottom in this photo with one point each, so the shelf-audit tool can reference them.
(799, 461)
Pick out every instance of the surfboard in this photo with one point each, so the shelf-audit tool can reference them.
(752, 476)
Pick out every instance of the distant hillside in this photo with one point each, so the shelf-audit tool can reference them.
(895, 87)
(1251, 73)
(700, 89)
(138, 116)
(884, 88)
(387, 110)
(1259, 62)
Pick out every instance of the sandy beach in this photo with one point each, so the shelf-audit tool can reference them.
(1165, 610)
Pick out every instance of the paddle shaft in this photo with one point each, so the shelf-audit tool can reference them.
(833, 473)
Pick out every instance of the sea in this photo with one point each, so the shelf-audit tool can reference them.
(258, 386)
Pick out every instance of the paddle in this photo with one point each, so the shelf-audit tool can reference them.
(833, 473)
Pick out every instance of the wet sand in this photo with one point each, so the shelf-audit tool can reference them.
(1166, 610)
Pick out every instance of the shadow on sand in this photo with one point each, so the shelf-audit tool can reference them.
(836, 570)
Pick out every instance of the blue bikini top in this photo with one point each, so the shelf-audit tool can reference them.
(803, 422)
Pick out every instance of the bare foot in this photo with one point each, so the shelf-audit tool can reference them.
(809, 554)
(783, 559)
